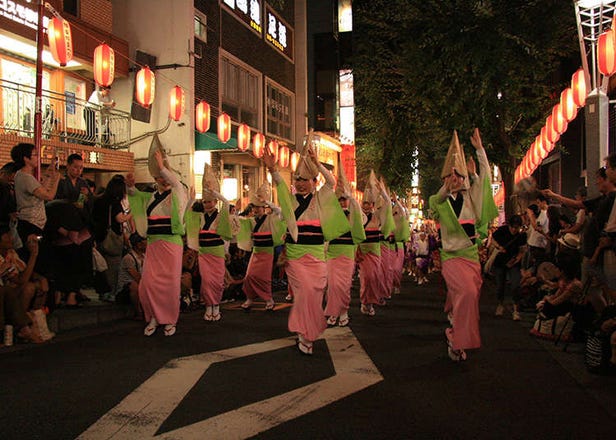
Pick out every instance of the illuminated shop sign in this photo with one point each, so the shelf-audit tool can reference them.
(247, 11)
(20, 13)
(49, 153)
(278, 34)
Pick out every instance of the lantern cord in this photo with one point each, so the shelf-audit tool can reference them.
(145, 135)
(134, 63)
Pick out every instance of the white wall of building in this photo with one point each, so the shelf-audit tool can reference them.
(164, 29)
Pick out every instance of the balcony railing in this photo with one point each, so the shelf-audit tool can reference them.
(65, 117)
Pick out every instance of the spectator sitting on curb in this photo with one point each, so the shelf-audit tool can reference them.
(26, 291)
(129, 276)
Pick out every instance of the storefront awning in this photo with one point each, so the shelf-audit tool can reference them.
(210, 142)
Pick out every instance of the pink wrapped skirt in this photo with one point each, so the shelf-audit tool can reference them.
(258, 280)
(307, 279)
(463, 278)
(370, 279)
(159, 289)
(339, 279)
(212, 270)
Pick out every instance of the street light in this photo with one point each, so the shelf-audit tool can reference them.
(593, 18)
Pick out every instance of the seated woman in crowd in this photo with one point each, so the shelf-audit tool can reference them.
(24, 291)
(567, 295)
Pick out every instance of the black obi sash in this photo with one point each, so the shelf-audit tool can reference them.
(209, 239)
(307, 234)
(372, 236)
(345, 238)
(262, 239)
(159, 226)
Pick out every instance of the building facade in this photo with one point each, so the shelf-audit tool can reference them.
(65, 89)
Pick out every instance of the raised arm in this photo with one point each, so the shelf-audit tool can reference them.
(571, 203)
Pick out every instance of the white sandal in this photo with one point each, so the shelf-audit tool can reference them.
(170, 329)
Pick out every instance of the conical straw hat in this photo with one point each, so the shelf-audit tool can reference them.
(306, 168)
(371, 191)
(209, 183)
(455, 158)
(343, 187)
(261, 195)
(156, 145)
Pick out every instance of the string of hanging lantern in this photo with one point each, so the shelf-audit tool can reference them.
(571, 100)
(60, 43)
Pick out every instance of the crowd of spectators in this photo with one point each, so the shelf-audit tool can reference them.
(557, 259)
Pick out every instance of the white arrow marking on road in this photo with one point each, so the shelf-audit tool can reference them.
(142, 412)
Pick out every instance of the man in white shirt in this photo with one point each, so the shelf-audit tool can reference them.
(537, 233)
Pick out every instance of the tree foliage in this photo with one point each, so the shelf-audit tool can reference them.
(423, 68)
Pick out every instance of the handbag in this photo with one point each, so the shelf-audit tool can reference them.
(113, 244)
(99, 264)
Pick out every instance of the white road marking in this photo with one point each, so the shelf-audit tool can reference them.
(142, 412)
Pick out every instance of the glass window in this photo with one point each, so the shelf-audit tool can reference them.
(200, 26)
(240, 90)
(279, 112)
(71, 7)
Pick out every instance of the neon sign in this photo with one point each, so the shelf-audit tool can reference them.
(20, 14)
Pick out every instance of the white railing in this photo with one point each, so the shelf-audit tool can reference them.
(65, 117)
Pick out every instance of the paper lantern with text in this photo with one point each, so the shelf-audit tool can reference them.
(559, 123)
(272, 147)
(202, 117)
(176, 103)
(567, 105)
(224, 128)
(580, 90)
(258, 145)
(104, 65)
(60, 40)
(606, 53)
(243, 137)
(283, 156)
(294, 160)
(145, 86)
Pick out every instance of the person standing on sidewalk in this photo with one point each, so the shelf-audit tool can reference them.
(313, 217)
(510, 243)
(159, 289)
(458, 206)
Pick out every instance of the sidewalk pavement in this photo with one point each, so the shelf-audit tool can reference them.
(92, 313)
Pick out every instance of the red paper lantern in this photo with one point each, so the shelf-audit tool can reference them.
(202, 117)
(258, 145)
(243, 137)
(145, 86)
(567, 106)
(283, 156)
(176, 103)
(272, 147)
(580, 90)
(552, 135)
(606, 53)
(60, 40)
(294, 160)
(104, 65)
(224, 128)
(559, 123)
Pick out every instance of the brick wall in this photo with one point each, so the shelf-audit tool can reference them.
(98, 13)
(100, 159)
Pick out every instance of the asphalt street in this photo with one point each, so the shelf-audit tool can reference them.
(383, 377)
